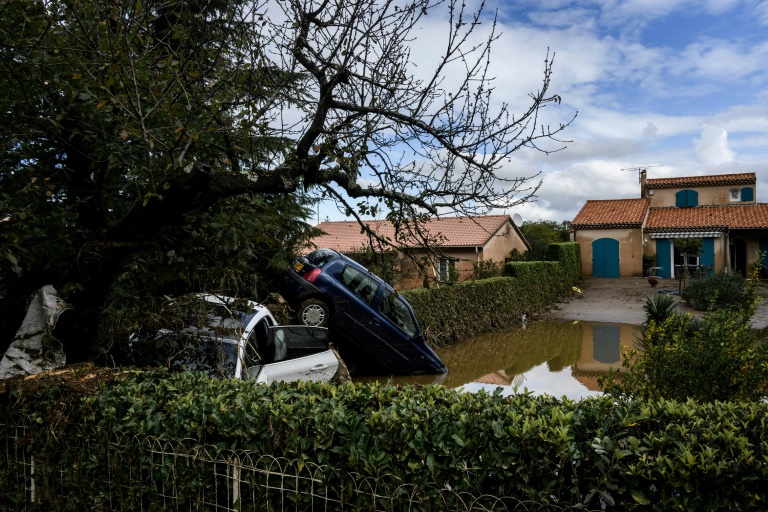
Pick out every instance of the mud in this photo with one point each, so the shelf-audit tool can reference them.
(621, 301)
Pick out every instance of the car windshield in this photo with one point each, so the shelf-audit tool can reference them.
(217, 358)
(205, 318)
(321, 256)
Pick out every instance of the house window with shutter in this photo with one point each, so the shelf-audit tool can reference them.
(686, 198)
(747, 194)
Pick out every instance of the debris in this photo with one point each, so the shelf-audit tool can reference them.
(34, 349)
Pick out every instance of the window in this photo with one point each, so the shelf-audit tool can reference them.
(686, 198)
(692, 262)
(361, 284)
(447, 269)
(320, 257)
(396, 310)
(292, 342)
(735, 194)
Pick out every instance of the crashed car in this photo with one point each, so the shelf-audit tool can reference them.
(374, 325)
(235, 338)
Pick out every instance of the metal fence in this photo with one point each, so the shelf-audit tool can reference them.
(155, 474)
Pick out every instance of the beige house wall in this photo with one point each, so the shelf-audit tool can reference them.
(501, 244)
(707, 195)
(496, 249)
(630, 249)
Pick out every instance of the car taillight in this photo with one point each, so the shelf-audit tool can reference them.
(312, 275)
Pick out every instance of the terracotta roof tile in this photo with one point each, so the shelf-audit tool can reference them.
(345, 236)
(611, 213)
(748, 216)
(747, 178)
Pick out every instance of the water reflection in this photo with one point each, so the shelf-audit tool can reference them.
(557, 357)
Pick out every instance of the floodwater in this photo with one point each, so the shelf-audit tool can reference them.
(557, 357)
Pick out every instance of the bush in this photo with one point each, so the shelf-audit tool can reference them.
(717, 358)
(486, 269)
(659, 308)
(448, 314)
(370, 447)
(719, 291)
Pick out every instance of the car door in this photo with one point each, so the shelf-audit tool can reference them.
(288, 353)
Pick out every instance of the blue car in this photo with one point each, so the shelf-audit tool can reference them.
(375, 326)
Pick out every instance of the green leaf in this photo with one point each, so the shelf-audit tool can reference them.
(640, 497)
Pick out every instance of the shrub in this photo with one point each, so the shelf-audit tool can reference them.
(659, 308)
(486, 269)
(369, 447)
(719, 291)
(717, 358)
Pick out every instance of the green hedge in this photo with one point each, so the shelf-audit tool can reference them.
(448, 314)
(421, 448)
(569, 256)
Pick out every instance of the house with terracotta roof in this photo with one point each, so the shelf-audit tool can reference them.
(463, 242)
(721, 210)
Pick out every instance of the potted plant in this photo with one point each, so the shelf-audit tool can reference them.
(653, 281)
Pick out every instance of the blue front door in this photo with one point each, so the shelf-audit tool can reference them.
(605, 258)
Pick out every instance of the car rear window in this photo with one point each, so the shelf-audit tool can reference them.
(320, 257)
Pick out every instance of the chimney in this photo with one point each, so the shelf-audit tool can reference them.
(643, 190)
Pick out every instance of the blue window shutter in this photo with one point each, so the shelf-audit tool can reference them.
(747, 194)
(708, 255)
(686, 198)
(664, 258)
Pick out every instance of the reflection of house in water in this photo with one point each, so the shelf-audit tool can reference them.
(499, 378)
(601, 348)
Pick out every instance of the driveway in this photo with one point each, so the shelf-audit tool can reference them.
(621, 301)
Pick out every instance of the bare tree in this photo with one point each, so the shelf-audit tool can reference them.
(371, 129)
(120, 122)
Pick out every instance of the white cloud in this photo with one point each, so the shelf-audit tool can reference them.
(712, 146)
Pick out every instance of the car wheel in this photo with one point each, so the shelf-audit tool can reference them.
(314, 312)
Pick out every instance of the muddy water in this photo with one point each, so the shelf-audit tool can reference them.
(558, 357)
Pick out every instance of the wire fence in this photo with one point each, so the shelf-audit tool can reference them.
(140, 473)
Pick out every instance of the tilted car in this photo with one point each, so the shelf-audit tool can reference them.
(235, 338)
(330, 289)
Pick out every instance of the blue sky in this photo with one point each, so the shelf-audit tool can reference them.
(679, 84)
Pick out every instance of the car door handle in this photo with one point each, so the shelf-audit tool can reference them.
(318, 367)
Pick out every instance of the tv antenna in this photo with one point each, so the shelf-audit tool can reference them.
(640, 170)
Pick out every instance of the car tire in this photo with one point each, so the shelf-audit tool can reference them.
(314, 313)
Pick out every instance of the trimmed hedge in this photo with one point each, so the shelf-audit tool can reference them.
(501, 451)
(569, 256)
(448, 314)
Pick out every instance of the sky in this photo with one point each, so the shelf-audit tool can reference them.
(679, 87)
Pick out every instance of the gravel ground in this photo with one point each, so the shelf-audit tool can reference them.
(621, 301)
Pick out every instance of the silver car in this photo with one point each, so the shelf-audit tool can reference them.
(235, 338)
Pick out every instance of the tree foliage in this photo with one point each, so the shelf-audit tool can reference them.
(542, 233)
(159, 146)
